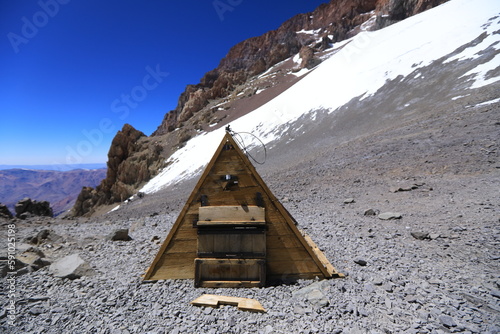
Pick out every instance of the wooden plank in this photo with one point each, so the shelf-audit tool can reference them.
(282, 241)
(174, 266)
(231, 213)
(244, 304)
(218, 197)
(231, 284)
(186, 233)
(255, 243)
(288, 277)
(291, 270)
(240, 243)
(229, 270)
(331, 270)
(288, 254)
(182, 246)
(226, 223)
(206, 243)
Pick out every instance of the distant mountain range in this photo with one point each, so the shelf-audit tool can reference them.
(60, 167)
(60, 188)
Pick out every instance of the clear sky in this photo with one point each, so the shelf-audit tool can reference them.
(72, 72)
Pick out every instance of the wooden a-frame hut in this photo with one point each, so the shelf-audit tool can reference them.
(233, 232)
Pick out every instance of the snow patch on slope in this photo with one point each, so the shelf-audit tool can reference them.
(360, 68)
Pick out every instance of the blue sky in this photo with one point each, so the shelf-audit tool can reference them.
(73, 72)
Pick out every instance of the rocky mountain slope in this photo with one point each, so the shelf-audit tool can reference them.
(59, 188)
(331, 23)
(434, 270)
(240, 84)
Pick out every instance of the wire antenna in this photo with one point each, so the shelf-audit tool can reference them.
(242, 144)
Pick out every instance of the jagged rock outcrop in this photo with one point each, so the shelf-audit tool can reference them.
(5, 212)
(393, 11)
(27, 206)
(308, 60)
(337, 19)
(132, 160)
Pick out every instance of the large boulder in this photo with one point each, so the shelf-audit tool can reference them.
(27, 206)
(5, 212)
(72, 267)
(316, 294)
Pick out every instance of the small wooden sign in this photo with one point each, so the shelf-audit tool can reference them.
(231, 214)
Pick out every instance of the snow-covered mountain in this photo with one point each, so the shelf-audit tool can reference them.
(448, 50)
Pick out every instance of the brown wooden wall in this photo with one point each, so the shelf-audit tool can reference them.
(287, 255)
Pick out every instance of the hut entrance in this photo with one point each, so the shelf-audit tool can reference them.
(231, 246)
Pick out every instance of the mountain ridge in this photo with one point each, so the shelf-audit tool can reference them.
(253, 56)
(214, 101)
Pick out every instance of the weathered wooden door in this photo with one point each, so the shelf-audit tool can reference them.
(231, 247)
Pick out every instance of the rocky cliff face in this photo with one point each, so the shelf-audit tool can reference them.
(135, 158)
(393, 11)
(336, 21)
(132, 160)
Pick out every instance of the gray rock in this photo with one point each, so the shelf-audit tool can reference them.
(388, 287)
(119, 235)
(5, 212)
(58, 310)
(447, 321)
(43, 237)
(315, 294)
(420, 235)
(349, 200)
(389, 215)
(434, 236)
(38, 298)
(299, 310)
(407, 187)
(71, 266)
(361, 262)
(36, 310)
(371, 212)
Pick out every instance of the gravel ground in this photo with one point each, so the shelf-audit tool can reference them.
(434, 270)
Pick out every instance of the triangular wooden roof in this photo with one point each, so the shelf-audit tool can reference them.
(291, 255)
